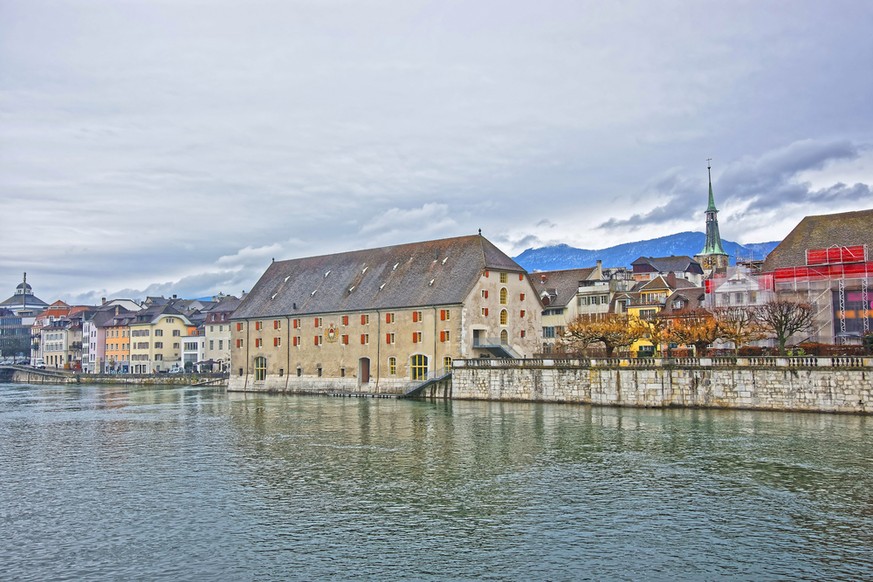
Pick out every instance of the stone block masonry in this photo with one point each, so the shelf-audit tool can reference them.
(790, 384)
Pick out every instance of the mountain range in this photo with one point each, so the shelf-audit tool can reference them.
(557, 257)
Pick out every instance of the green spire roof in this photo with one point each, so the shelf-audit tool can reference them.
(713, 238)
(711, 207)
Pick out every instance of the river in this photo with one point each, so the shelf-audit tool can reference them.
(170, 483)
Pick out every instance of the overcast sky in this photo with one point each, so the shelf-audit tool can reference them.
(176, 146)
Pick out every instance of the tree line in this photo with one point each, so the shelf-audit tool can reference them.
(740, 325)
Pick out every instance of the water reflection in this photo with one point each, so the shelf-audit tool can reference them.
(104, 482)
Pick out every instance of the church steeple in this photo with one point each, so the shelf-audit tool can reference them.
(712, 257)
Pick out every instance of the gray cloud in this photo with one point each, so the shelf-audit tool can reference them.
(160, 146)
(754, 186)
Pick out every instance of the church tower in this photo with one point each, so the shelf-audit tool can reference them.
(712, 258)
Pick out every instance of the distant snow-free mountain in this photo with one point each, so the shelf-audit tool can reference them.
(562, 256)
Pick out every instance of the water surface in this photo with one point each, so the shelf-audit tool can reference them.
(104, 482)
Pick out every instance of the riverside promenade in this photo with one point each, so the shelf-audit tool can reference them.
(813, 384)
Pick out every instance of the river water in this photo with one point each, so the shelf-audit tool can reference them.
(112, 482)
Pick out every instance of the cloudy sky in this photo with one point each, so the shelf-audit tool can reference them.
(176, 146)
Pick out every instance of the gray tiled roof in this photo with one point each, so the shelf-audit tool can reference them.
(439, 272)
(822, 232)
(676, 263)
(564, 284)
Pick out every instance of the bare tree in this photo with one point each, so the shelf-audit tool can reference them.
(613, 330)
(783, 318)
(696, 328)
(739, 325)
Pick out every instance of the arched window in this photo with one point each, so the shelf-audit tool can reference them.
(260, 369)
(504, 317)
(419, 367)
(503, 294)
(392, 365)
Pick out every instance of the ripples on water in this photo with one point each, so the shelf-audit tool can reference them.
(118, 483)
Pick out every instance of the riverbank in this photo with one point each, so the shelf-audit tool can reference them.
(24, 375)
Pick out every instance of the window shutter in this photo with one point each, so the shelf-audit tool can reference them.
(414, 317)
(522, 312)
(362, 339)
(363, 320)
(387, 318)
(486, 312)
(521, 276)
(442, 314)
(486, 274)
(443, 336)
(239, 327)
(275, 324)
(315, 339)
(345, 340)
(275, 342)
(387, 338)
(486, 293)
(414, 338)
(521, 296)
(345, 319)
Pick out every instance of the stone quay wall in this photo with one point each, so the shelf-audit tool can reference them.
(310, 384)
(841, 384)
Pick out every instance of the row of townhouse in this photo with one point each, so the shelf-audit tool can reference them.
(121, 335)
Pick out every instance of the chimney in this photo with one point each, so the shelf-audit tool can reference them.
(102, 301)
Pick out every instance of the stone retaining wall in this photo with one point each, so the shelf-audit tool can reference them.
(821, 387)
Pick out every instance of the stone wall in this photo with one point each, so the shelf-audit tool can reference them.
(311, 384)
(801, 384)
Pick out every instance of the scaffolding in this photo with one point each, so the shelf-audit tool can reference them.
(829, 279)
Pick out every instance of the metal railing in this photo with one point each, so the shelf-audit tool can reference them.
(714, 362)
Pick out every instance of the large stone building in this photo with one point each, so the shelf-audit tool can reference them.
(381, 320)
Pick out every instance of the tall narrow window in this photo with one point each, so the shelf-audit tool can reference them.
(447, 363)
(345, 320)
(392, 365)
(503, 278)
(504, 317)
(503, 295)
(260, 369)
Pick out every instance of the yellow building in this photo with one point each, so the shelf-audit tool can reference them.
(644, 302)
(156, 339)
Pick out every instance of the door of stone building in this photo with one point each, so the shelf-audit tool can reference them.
(364, 371)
